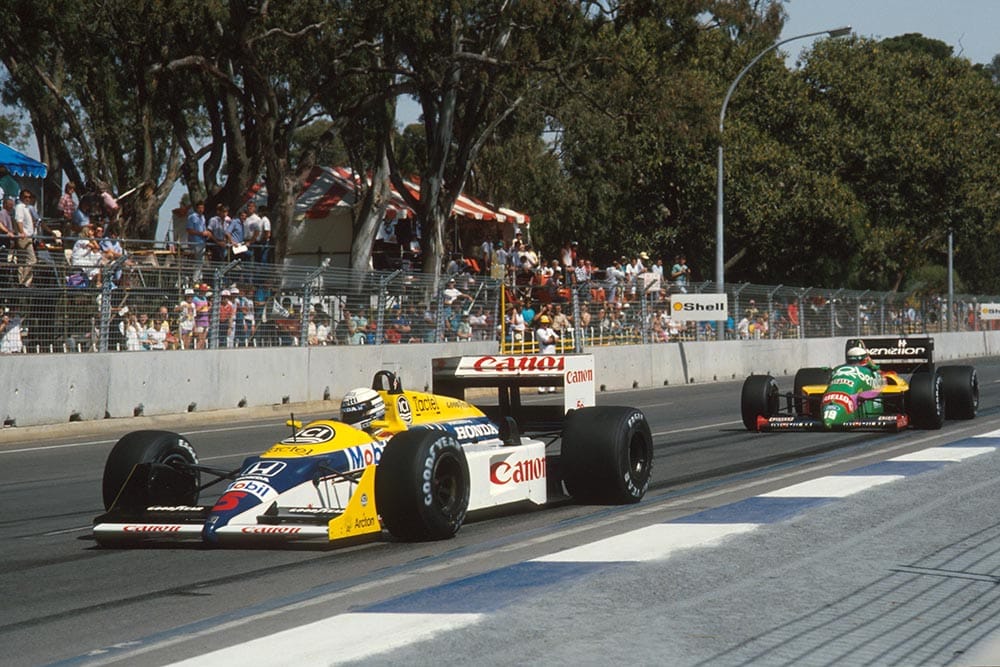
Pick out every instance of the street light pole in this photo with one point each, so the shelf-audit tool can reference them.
(720, 262)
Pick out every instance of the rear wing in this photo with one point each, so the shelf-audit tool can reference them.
(900, 354)
(452, 376)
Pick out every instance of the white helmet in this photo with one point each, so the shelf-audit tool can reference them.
(360, 407)
(857, 355)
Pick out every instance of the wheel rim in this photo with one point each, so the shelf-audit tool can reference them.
(638, 459)
(446, 485)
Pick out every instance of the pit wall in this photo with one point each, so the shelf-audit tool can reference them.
(53, 389)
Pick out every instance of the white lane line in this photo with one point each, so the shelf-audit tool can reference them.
(698, 428)
(325, 642)
(834, 486)
(943, 454)
(89, 443)
(991, 434)
(650, 543)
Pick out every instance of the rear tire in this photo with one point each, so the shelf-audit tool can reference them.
(607, 454)
(961, 391)
(422, 485)
(759, 398)
(804, 377)
(926, 400)
(161, 447)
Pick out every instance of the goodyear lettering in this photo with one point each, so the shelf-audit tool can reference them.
(175, 508)
(271, 530)
(476, 431)
(152, 529)
(576, 377)
(526, 364)
(504, 472)
(634, 418)
(363, 456)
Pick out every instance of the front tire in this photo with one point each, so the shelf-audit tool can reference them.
(422, 485)
(926, 400)
(171, 481)
(759, 398)
(607, 454)
(805, 377)
(961, 391)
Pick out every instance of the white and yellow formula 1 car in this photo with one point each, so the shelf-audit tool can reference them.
(418, 465)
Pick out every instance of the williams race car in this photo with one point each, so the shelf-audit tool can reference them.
(887, 384)
(410, 462)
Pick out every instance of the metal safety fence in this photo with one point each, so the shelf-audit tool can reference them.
(160, 297)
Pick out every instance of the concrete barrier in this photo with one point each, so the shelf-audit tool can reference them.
(57, 388)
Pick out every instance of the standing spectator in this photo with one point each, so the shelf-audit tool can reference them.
(7, 238)
(202, 316)
(266, 245)
(86, 254)
(24, 228)
(67, 206)
(219, 238)
(547, 338)
(197, 236)
(108, 201)
(487, 252)
(515, 323)
(560, 320)
(498, 262)
(164, 338)
(616, 281)
(478, 321)
(680, 273)
(237, 231)
(567, 256)
(185, 323)
(227, 313)
(463, 332)
(10, 333)
(246, 322)
(254, 231)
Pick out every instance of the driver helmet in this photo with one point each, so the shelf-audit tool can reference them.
(360, 407)
(857, 355)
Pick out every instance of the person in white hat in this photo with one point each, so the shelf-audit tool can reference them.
(185, 321)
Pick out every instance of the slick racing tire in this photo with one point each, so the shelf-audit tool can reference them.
(759, 398)
(961, 391)
(805, 377)
(172, 480)
(926, 400)
(422, 485)
(607, 454)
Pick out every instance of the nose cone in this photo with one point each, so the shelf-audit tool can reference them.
(835, 414)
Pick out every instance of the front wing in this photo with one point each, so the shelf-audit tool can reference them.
(890, 423)
(272, 523)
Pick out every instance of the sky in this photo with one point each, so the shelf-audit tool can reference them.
(970, 27)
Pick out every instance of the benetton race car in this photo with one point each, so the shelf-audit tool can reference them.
(888, 384)
(411, 462)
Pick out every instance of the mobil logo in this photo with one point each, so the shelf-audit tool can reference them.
(365, 455)
(253, 487)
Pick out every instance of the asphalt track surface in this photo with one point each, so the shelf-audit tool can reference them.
(905, 573)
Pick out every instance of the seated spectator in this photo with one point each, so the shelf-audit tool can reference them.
(561, 322)
(10, 332)
(478, 322)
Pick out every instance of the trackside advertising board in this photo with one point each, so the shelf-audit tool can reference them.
(989, 311)
(699, 307)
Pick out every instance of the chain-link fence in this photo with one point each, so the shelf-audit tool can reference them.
(159, 297)
(168, 298)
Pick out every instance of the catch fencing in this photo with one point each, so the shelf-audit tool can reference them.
(142, 302)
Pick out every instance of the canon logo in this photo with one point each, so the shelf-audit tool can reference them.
(503, 472)
(519, 364)
(271, 530)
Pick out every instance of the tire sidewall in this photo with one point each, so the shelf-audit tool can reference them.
(140, 447)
